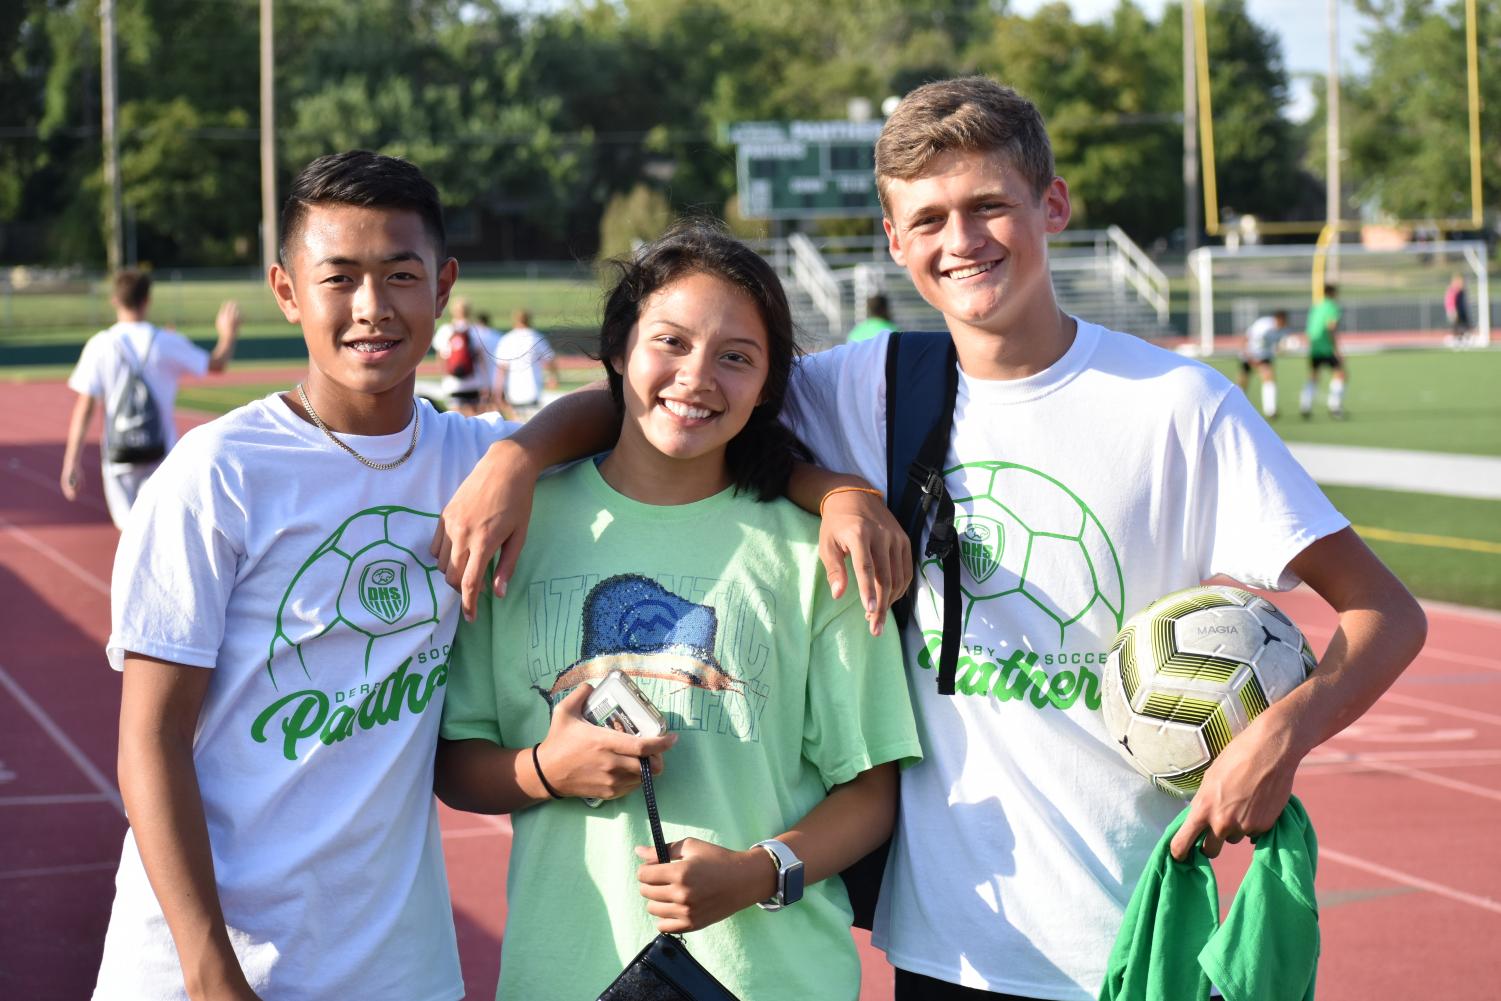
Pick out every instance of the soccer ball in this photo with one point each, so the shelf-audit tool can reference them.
(1189, 672)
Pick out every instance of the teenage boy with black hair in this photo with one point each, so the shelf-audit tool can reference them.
(1092, 473)
(284, 635)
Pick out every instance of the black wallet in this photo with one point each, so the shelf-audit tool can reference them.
(664, 970)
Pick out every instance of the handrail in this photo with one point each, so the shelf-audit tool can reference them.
(1143, 274)
(814, 276)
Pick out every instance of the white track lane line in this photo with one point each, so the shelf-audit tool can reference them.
(50, 482)
(1441, 707)
(59, 870)
(1438, 653)
(57, 800)
(94, 775)
(1406, 879)
(1455, 657)
(33, 543)
(1427, 758)
(1419, 775)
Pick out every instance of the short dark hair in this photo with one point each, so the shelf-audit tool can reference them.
(878, 305)
(971, 114)
(360, 177)
(1330, 291)
(1280, 316)
(760, 457)
(132, 288)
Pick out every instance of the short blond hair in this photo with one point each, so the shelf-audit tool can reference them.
(972, 114)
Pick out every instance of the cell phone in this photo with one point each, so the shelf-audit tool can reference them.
(619, 704)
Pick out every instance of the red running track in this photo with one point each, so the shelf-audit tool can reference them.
(1406, 801)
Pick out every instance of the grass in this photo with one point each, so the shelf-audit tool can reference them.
(220, 399)
(1430, 401)
(1467, 577)
(49, 328)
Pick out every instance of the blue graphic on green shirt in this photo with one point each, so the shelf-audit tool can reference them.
(1042, 587)
(351, 609)
(667, 644)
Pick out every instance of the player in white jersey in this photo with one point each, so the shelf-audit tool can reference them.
(1091, 473)
(1260, 354)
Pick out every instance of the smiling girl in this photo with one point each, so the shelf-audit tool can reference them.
(675, 559)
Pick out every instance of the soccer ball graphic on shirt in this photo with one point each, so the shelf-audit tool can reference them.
(363, 588)
(1038, 568)
(1189, 672)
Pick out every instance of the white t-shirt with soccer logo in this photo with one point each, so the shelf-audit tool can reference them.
(303, 579)
(1082, 493)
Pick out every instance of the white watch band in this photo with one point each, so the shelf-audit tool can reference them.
(789, 875)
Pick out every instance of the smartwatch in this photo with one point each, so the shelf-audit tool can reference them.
(789, 875)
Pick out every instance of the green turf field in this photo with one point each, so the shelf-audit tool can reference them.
(1429, 401)
(1444, 548)
(49, 328)
(218, 399)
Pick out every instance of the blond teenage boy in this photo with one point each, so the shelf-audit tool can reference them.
(1022, 832)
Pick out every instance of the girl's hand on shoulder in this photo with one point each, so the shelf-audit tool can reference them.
(703, 883)
(581, 759)
(856, 524)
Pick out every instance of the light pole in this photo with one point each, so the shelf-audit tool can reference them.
(1190, 134)
(269, 235)
(1332, 201)
(108, 85)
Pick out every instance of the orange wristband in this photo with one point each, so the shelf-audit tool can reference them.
(841, 490)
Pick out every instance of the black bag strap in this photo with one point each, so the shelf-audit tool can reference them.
(650, 792)
(922, 385)
(136, 365)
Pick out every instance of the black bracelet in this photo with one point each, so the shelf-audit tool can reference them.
(538, 765)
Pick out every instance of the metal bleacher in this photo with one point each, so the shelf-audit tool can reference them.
(1097, 274)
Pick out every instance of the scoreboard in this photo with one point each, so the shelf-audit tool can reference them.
(799, 170)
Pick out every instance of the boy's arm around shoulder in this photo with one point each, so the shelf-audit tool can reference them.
(159, 706)
(855, 523)
(489, 512)
(1381, 629)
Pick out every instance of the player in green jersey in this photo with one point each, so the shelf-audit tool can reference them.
(1323, 324)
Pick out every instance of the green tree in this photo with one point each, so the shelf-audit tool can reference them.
(1406, 119)
(631, 218)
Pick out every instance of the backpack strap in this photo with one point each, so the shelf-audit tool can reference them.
(136, 365)
(922, 384)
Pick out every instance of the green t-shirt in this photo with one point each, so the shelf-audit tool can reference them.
(868, 328)
(721, 611)
(1322, 319)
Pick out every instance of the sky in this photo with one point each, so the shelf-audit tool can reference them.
(1301, 24)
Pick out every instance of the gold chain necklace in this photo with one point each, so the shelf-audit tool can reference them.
(416, 429)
